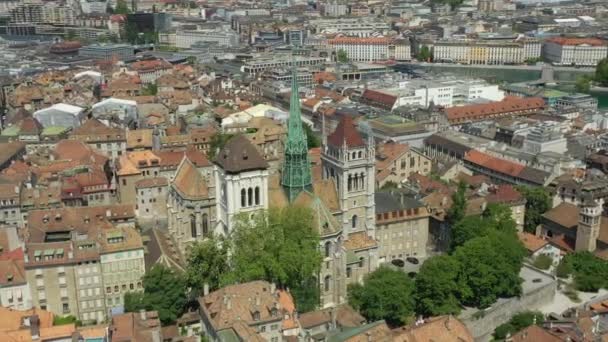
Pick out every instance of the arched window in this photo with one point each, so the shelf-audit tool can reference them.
(243, 198)
(350, 182)
(362, 180)
(356, 182)
(327, 249)
(354, 155)
(360, 154)
(361, 262)
(327, 283)
(193, 232)
(354, 221)
(349, 272)
(250, 196)
(205, 224)
(257, 195)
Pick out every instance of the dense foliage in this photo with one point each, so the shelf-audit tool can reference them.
(342, 56)
(386, 294)
(164, 292)
(543, 262)
(424, 54)
(312, 139)
(538, 201)
(459, 204)
(217, 143)
(590, 272)
(69, 319)
(518, 322)
(207, 264)
(437, 288)
(601, 72)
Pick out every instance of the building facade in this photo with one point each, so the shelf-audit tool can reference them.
(575, 51)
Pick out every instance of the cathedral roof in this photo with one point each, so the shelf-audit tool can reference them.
(239, 155)
(189, 181)
(346, 133)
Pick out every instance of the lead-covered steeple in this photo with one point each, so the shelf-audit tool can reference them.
(296, 167)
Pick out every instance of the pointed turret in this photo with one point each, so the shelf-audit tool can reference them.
(296, 167)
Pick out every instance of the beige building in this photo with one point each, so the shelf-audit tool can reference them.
(575, 51)
(111, 141)
(190, 206)
(254, 311)
(371, 49)
(395, 162)
(402, 226)
(467, 51)
(151, 198)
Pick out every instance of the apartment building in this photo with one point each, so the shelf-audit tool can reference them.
(467, 51)
(575, 51)
(110, 141)
(10, 210)
(184, 39)
(107, 51)
(395, 162)
(151, 198)
(150, 70)
(14, 290)
(256, 66)
(402, 226)
(353, 27)
(371, 49)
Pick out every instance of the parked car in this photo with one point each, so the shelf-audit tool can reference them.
(412, 260)
(398, 262)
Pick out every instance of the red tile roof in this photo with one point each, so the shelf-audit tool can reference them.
(346, 133)
(378, 97)
(577, 41)
(503, 166)
(481, 111)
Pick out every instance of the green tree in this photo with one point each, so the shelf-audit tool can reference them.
(312, 139)
(518, 322)
(164, 292)
(564, 269)
(601, 72)
(217, 143)
(385, 294)
(69, 319)
(281, 246)
(538, 202)
(437, 286)
(388, 185)
(583, 84)
(543, 262)
(150, 90)
(342, 56)
(122, 7)
(499, 217)
(424, 54)
(590, 272)
(467, 229)
(207, 264)
(490, 268)
(453, 3)
(459, 204)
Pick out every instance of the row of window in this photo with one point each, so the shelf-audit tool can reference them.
(250, 196)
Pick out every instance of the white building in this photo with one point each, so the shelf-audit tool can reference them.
(545, 137)
(335, 9)
(241, 177)
(467, 51)
(372, 48)
(354, 27)
(113, 110)
(185, 39)
(575, 51)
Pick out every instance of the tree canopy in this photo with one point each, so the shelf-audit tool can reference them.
(424, 54)
(385, 294)
(312, 140)
(601, 72)
(496, 217)
(538, 202)
(207, 264)
(217, 143)
(164, 291)
(342, 56)
(122, 7)
(281, 246)
(437, 286)
(459, 204)
(518, 322)
(590, 272)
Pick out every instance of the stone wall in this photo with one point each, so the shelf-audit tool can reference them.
(482, 323)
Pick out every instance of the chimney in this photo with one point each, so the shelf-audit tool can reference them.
(205, 289)
(35, 327)
(142, 314)
(448, 322)
(273, 288)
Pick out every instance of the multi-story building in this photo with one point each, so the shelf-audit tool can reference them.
(122, 264)
(10, 205)
(151, 70)
(336, 9)
(371, 49)
(107, 51)
(110, 141)
(14, 290)
(354, 27)
(575, 51)
(402, 226)
(184, 39)
(395, 162)
(468, 51)
(151, 198)
(256, 66)
(27, 13)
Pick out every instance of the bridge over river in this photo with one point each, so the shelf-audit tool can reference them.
(499, 73)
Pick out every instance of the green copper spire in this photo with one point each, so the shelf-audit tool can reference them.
(296, 167)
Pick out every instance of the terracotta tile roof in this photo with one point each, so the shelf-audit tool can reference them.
(442, 328)
(238, 303)
(30, 126)
(239, 155)
(9, 150)
(78, 151)
(189, 181)
(149, 66)
(11, 321)
(131, 239)
(94, 130)
(346, 133)
(346, 316)
(504, 193)
(12, 271)
(482, 111)
(378, 97)
(577, 41)
(535, 333)
(565, 214)
(359, 240)
(386, 154)
(505, 167)
(139, 138)
(531, 242)
(427, 185)
(130, 327)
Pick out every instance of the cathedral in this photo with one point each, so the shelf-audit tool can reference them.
(341, 200)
